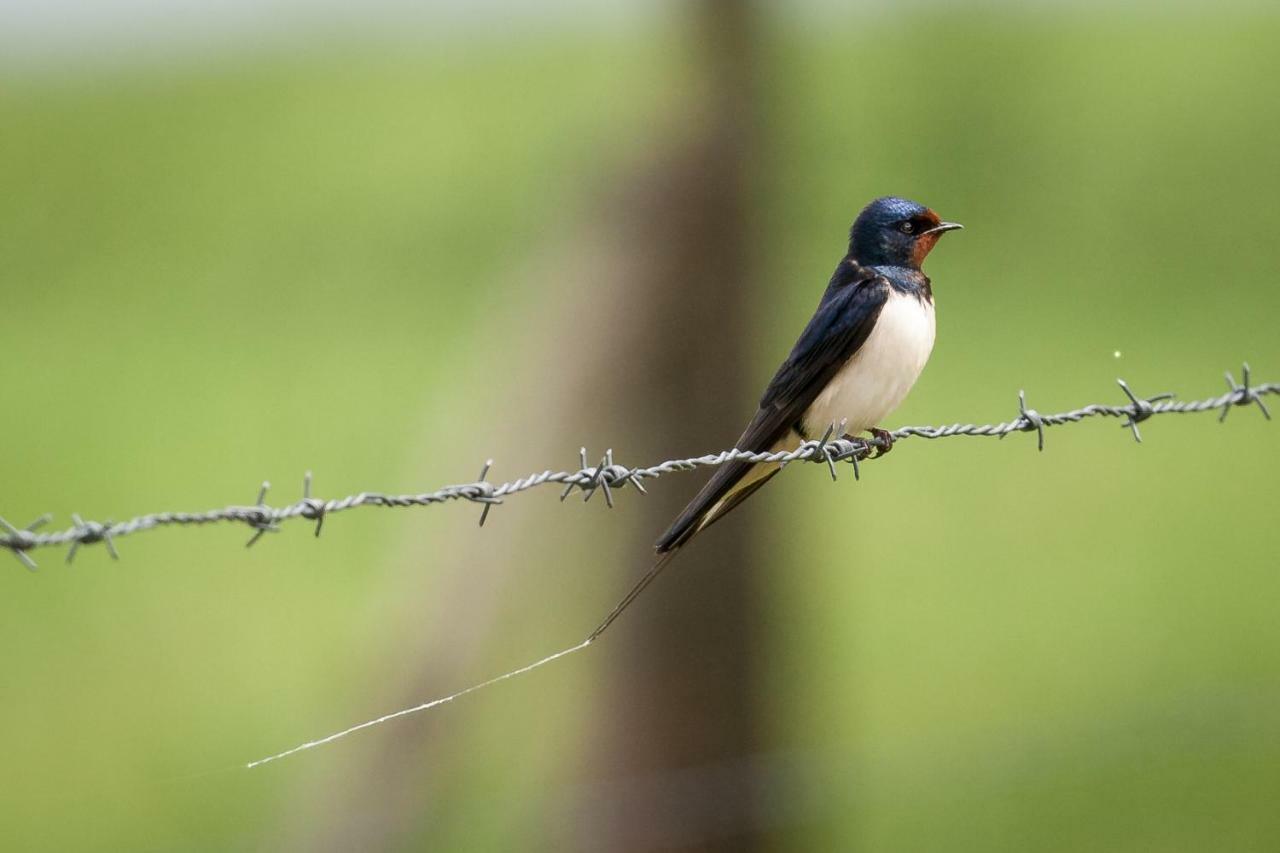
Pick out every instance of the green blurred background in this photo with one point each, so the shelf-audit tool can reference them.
(369, 255)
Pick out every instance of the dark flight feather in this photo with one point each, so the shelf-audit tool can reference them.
(845, 316)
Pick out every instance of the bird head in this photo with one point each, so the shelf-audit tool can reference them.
(895, 232)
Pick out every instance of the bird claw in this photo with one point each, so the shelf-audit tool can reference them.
(886, 439)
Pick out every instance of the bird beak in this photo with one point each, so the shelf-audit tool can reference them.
(942, 226)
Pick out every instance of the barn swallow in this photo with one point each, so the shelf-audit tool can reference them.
(854, 363)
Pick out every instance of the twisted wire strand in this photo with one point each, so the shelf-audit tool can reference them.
(606, 475)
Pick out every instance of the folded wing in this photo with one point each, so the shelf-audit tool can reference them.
(844, 319)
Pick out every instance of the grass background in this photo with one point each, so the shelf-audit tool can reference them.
(245, 268)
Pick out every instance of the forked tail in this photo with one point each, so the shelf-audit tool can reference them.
(649, 576)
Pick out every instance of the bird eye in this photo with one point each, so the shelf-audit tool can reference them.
(907, 227)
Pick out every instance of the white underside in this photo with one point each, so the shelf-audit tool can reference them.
(870, 385)
(878, 377)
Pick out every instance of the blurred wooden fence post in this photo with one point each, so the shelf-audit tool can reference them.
(679, 702)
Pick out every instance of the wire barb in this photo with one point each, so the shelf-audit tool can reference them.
(825, 452)
(1242, 394)
(19, 542)
(608, 476)
(597, 480)
(263, 520)
(573, 483)
(89, 532)
(857, 449)
(1142, 408)
(1028, 420)
(312, 508)
(634, 480)
(486, 497)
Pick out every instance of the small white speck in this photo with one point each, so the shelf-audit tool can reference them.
(1116, 353)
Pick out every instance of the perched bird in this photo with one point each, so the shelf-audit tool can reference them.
(854, 363)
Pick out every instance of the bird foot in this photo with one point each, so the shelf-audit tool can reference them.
(885, 436)
(863, 452)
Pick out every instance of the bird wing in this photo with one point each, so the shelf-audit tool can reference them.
(844, 319)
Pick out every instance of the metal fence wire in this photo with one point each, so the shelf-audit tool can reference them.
(606, 476)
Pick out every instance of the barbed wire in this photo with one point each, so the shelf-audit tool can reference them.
(607, 475)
